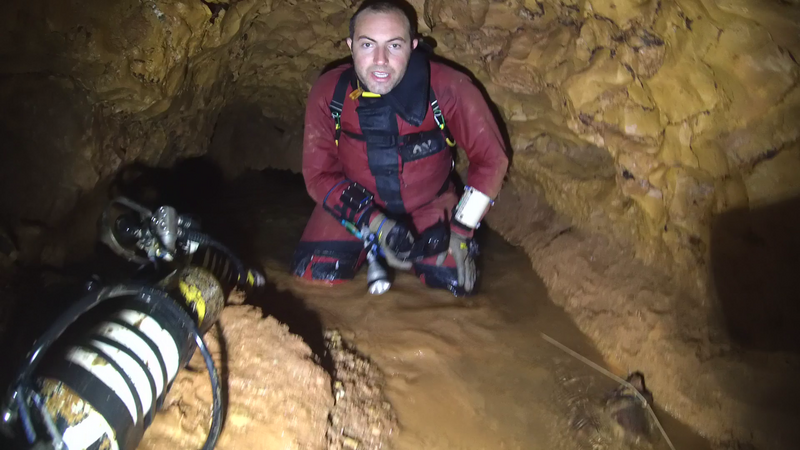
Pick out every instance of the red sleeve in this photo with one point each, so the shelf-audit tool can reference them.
(469, 119)
(321, 167)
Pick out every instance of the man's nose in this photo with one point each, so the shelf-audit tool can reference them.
(380, 56)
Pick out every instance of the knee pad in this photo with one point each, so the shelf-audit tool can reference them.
(328, 261)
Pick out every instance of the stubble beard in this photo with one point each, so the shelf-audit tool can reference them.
(379, 88)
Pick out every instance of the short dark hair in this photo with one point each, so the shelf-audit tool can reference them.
(383, 6)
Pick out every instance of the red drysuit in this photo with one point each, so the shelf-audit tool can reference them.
(407, 167)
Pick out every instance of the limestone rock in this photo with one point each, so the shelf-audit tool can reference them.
(775, 177)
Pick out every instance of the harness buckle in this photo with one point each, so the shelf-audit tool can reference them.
(438, 117)
(337, 117)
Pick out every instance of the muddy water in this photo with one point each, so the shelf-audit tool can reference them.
(461, 373)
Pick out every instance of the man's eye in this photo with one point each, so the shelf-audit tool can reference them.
(395, 46)
(366, 45)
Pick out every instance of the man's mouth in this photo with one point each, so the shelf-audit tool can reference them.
(380, 75)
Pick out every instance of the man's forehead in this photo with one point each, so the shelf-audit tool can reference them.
(368, 18)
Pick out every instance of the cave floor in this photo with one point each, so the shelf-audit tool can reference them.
(469, 373)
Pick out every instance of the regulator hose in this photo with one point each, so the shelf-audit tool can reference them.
(216, 409)
(241, 271)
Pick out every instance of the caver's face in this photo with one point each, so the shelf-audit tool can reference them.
(381, 47)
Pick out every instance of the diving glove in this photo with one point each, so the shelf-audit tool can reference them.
(465, 262)
(395, 239)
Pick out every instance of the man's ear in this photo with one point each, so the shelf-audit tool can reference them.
(350, 44)
(414, 44)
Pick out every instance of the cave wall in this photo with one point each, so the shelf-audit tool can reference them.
(90, 87)
(693, 102)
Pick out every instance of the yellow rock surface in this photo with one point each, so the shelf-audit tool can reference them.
(775, 179)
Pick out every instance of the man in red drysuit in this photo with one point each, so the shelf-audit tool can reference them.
(377, 155)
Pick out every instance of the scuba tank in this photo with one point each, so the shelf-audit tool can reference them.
(101, 371)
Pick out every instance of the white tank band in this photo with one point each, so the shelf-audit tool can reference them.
(472, 206)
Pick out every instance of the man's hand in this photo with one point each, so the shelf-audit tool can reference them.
(395, 239)
(465, 264)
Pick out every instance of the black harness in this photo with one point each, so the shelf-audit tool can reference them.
(387, 150)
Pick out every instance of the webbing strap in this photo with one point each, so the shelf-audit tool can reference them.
(337, 103)
(394, 140)
(439, 118)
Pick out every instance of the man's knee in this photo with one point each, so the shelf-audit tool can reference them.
(328, 261)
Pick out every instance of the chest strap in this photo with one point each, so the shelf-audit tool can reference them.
(439, 118)
(337, 105)
(395, 140)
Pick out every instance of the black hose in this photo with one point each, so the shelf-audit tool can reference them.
(216, 409)
(52, 430)
(206, 240)
(25, 415)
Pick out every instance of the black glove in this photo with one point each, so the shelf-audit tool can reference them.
(465, 262)
(395, 239)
